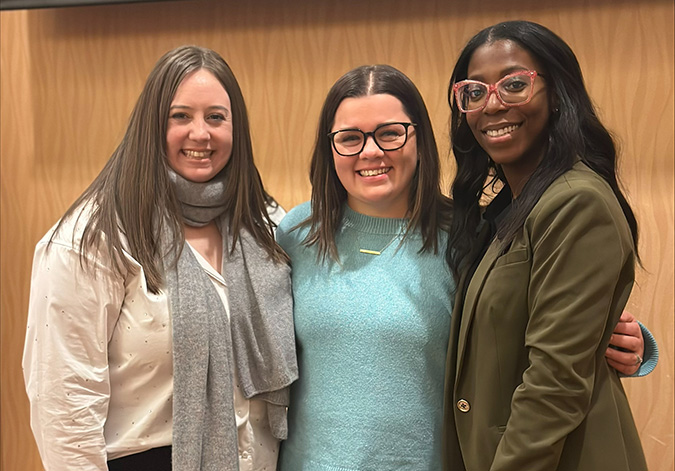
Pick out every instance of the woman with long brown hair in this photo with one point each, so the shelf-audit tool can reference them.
(160, 319)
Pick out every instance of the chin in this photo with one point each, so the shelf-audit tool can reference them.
(503, 156)
(198, 177)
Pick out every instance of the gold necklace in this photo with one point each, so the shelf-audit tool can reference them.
(379, 252)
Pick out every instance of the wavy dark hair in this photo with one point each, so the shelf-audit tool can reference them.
(574, 131)
(133, 198)
(429, 209)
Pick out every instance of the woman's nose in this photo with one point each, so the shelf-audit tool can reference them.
(493, 103)
(370, 148)
(199, 131)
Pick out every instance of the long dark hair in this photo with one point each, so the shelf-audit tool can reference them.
(133, 199)
(428, 207)
(574, 131)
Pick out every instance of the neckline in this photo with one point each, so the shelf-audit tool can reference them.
(372, 224)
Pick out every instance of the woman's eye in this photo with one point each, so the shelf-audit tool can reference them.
(346, 138)
(216, 117)
(178, 116)
(475, 93)
(389, 135)
(515, 85)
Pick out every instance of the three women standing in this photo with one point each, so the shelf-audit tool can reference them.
(373, 292)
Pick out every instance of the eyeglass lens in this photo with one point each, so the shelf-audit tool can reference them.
(387, 137)
(513, 89)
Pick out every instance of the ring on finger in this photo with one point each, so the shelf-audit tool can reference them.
(638, 359)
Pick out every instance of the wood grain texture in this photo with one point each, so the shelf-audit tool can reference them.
(70, 77)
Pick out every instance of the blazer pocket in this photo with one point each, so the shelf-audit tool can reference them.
(512, 257)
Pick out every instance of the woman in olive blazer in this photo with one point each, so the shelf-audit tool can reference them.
(528, 387)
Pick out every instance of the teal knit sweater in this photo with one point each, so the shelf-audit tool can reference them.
(372, 335)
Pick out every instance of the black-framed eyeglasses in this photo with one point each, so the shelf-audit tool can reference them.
(387, 136)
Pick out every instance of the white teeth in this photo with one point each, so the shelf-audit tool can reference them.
(193, 154)
(372, 173)
(502, 131)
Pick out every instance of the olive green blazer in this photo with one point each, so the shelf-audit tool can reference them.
(527, 384)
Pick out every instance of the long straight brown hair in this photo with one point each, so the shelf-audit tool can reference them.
(133, 199)
(429, 210)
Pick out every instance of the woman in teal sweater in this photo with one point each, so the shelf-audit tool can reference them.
(372, 291)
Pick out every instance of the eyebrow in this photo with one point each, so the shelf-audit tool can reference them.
(210, 108)
(504, 72)
(384, 123)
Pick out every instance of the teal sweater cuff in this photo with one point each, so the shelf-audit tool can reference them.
(651, 354)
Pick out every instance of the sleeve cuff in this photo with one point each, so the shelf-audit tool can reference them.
(651, 354)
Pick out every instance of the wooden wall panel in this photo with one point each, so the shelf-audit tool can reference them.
(69, 79)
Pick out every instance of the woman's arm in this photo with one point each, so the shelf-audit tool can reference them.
(575, 299)
(71, 315)
(631, 337)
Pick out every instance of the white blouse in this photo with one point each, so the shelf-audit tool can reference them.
(98, 364)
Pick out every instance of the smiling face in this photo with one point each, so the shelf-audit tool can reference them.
(377, 182)
(514, 137)
(199, 131)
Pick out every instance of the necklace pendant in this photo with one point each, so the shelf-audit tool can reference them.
(379, 252)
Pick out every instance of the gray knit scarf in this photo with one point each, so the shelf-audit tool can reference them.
(201, 202)
(259, 340)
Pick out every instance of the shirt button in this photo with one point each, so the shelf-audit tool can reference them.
(463, 405)
(244, 455)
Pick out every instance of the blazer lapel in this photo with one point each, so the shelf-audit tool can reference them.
(474, 289)
(464, 306)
